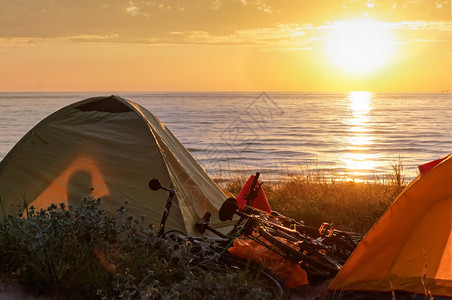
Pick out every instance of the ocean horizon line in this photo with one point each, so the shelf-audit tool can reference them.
(224, 92)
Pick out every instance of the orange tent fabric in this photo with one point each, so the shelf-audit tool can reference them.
(410, 247)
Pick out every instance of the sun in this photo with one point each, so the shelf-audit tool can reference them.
(359, 46)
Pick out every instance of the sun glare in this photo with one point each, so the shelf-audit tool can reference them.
(359, 161)
(359, 46)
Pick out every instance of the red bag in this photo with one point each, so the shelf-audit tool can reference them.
(260, 202)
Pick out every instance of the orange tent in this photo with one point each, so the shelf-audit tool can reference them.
(410, 247)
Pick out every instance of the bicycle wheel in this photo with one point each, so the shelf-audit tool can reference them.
(318, 265)
(268, 279)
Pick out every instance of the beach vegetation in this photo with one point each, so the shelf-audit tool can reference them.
(87, 253)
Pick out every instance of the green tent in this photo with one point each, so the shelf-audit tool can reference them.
(107, 147)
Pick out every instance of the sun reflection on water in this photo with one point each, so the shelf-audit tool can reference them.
(358, 160)
(359, 103)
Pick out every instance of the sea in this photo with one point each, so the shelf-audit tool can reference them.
(357, 135)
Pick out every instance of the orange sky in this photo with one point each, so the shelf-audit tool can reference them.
(219, 45)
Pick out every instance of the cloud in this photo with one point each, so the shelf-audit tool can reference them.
(281, 37)
(426, 41)
(29, 42)
(272, 24)
(135, 11)
(258, 4)
(216, 4)
(423, 25)
(153, 19)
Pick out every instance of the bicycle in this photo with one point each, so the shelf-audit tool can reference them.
(319, 252)
(291, 244)
(216, 247)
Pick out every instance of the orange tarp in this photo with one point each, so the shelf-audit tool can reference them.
(292, 274)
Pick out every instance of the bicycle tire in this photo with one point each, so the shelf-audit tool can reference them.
(282, 291)
(315, 262)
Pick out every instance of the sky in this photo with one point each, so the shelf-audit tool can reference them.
(226, 45)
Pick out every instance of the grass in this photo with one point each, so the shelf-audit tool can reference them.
(315, 196)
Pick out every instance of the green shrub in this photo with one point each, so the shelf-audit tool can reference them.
(86, 253)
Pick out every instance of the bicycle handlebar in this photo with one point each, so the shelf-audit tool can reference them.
(254, 190)
(154, 184)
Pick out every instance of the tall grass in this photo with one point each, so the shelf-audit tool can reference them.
(315, 196)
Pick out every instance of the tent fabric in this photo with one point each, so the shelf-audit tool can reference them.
(107, 147)
(410, 247)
